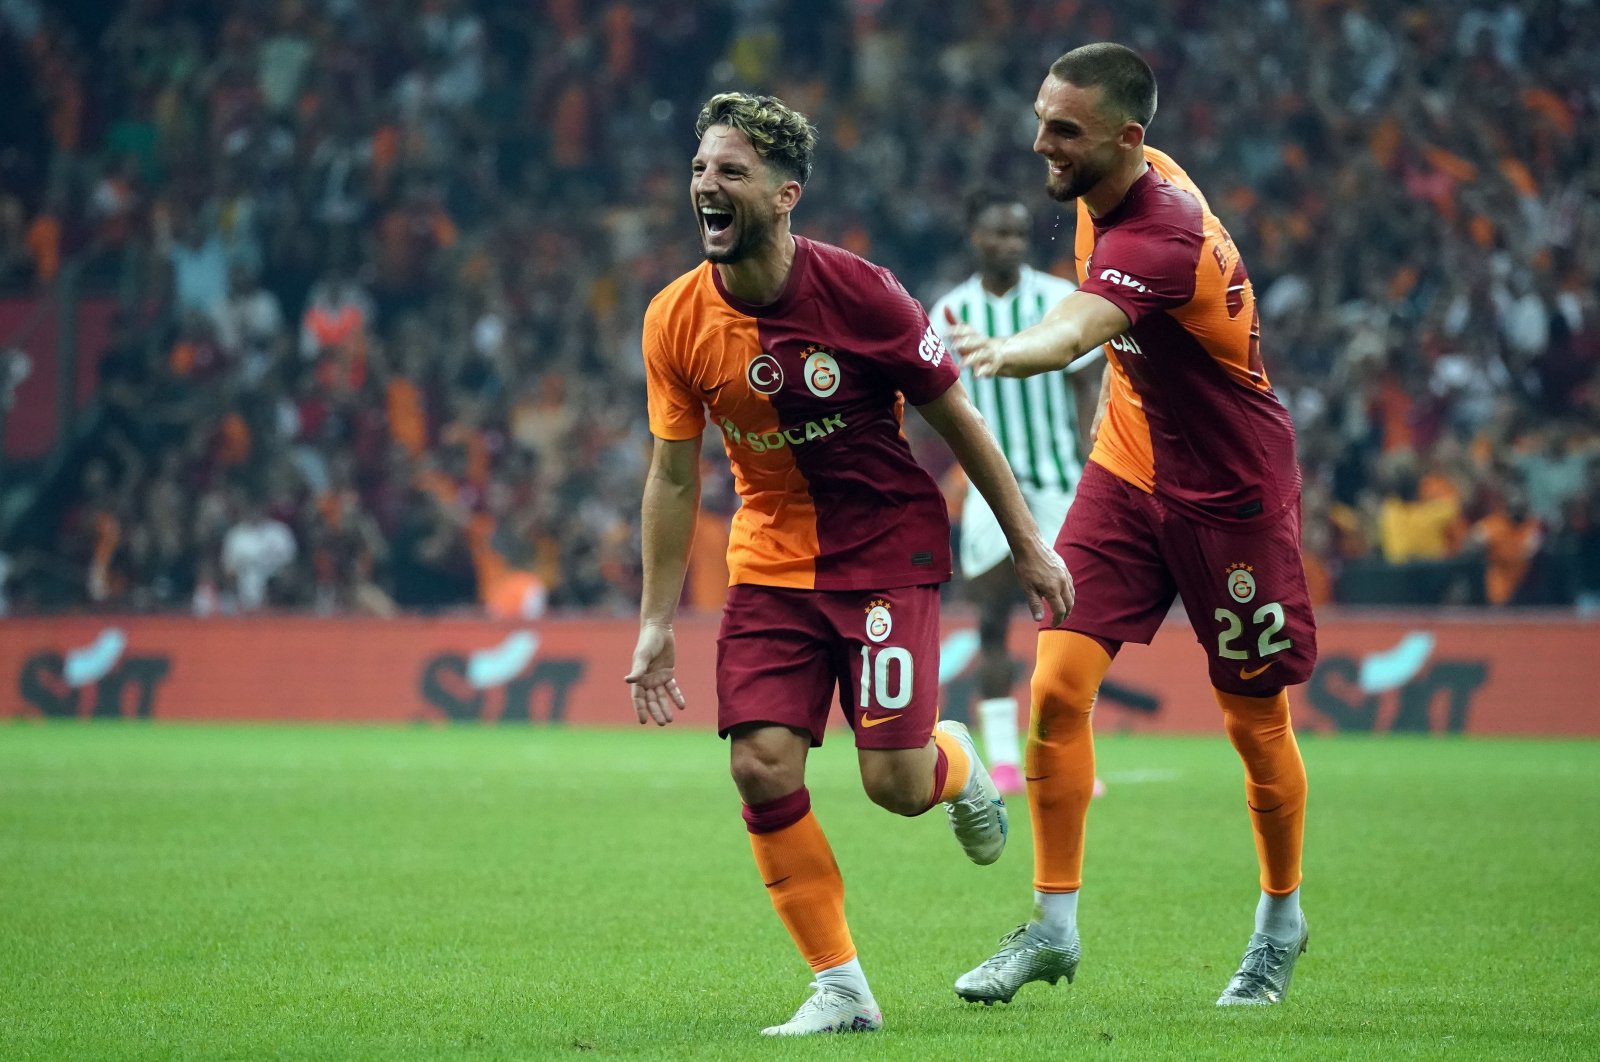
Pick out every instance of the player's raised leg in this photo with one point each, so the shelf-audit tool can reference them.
(891, 690)
(1275, 792)
(802, 878)
(948, 771)
(1060, 775)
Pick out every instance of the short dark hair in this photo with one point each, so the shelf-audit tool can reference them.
(781, 135)
(1128, 81)
(985, 196)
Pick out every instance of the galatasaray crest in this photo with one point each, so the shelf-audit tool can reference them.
(878, 622)
(1241, 582)
(821, 372)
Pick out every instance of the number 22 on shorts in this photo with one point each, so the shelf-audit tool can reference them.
(1267, 642)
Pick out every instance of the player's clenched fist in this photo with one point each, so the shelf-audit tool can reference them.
(654, 686)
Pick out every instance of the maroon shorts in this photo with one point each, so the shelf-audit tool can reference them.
(1244, 590)
(781, 654)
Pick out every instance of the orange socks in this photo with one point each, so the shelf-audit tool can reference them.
(1059, 761)
(951, 769)
(801, 877)
(1060, 766)
(1275, 783)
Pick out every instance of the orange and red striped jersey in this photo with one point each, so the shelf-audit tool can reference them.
(1192, 417)
(808, 392)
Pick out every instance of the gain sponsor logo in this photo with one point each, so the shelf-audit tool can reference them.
(879, 623)
(1116, 276)
(100, 679)
(765, 374)
(759, 442)
(1406, 688)
(505, 683)
(821, 372)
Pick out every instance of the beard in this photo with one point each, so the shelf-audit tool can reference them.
(1080, 181)
(753, 233)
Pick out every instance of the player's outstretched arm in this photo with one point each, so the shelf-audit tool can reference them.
(1074, 326)
(671, 500)
(1043, 576)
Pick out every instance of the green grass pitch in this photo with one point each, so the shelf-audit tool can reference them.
(530, 893)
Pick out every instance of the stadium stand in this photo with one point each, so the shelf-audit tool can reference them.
(372, 272)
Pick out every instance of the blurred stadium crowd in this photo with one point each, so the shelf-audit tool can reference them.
(381, 267)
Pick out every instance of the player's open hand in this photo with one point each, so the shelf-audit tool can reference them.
(977, 351)
(654, 687)
(1046, 581)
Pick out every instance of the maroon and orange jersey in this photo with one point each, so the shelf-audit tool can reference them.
(1192, 418)
(809, 391)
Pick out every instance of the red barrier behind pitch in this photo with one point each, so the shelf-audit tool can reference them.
(1500, 674)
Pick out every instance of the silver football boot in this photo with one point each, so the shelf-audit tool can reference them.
(978, 813)
(1263, 977)
(1024, 955)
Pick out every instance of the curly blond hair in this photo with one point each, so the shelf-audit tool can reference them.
(781, 135)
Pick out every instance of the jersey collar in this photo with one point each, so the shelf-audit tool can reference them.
(791, 285)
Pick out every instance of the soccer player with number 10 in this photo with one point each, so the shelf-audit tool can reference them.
(804, 356)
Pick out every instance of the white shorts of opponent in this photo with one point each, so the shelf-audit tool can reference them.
(983, 544)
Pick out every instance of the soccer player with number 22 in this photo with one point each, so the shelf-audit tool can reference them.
(804, 356)
(1191, 489)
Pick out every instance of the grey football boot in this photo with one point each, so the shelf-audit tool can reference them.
(1263, 977)
(1025, 955)
(978, 813)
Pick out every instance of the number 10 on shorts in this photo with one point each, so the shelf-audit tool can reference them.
(890, 685)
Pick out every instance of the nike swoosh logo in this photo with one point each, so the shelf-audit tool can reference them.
(780, 881)
(874, 720)
(1263, 811)
(1248, 675)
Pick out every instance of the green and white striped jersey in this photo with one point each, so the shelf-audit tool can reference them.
(1036, 419)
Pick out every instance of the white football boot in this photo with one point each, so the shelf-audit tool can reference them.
(830, 1011)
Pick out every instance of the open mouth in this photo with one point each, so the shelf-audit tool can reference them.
(716, 219)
